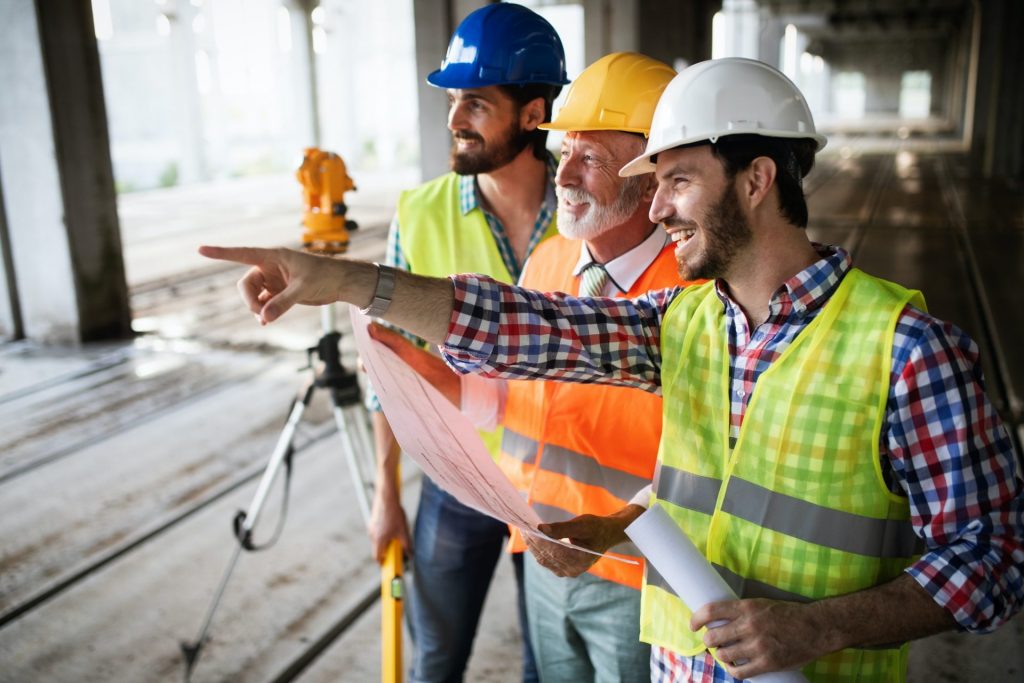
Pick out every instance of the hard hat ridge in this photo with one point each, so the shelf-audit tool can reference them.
(617, 92)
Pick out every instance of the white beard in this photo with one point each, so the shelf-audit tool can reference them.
(599, 218)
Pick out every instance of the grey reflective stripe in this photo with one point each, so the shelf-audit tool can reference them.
(749, 588)
(688, 490)
(745, 588)
(823, 526)
(520, 447)
(550, 513)
(586, 470)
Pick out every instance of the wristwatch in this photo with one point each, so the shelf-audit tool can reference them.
(382, 293)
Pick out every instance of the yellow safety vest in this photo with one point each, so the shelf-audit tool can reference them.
(438, 240)
(798, 509)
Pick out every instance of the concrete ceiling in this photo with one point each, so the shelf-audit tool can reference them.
(872, 20)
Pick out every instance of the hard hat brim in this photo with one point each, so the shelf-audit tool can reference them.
(642, 164)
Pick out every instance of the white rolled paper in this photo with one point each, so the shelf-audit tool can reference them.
(686, 570)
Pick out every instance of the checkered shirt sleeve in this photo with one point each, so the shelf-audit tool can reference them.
(554, 335)
(954, 459)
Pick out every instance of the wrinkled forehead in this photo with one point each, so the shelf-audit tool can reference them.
(615, 143)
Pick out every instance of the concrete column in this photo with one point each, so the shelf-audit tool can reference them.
(610, 27)
(997, 142)
(882, 91)
(772, 30)
(188, 114)
(670, 30)
(58, 185)
(434, 20)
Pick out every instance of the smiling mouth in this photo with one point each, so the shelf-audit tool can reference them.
(682, 236)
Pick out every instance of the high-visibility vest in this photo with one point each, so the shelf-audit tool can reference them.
(583, 448)
(438, 240)
(798, 509)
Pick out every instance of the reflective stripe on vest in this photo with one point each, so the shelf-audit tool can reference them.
(595, 445)
(438, 240)
(794, 517)
(798, 508)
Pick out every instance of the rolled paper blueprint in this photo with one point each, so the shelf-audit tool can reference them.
(691, 576)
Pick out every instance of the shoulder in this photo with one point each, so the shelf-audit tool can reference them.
(431, 188)
(925, 345)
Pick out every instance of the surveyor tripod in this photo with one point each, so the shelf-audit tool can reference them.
(326, 373)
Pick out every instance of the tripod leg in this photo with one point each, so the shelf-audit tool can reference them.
(243, 530)
(284, 444)
(355, 440)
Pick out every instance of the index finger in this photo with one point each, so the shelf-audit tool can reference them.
(251, 256)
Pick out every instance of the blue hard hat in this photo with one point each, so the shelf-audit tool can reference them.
(502, 44)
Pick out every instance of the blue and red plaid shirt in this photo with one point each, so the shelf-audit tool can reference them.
(942, 444)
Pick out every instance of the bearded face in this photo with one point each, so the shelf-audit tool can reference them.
(472, 153)
(706, 249)
(597, 217)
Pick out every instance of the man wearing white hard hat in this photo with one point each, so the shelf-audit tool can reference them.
(827, 444)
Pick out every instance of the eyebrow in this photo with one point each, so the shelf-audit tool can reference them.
(678, 168)
(471, 96)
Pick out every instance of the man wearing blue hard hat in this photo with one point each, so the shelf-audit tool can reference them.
(504, 67)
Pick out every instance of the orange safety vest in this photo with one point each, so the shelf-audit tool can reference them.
(582, 448)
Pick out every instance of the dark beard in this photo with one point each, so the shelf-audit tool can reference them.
(726, 231)
(491, 156)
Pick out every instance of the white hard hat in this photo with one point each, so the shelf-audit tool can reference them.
(720, 97)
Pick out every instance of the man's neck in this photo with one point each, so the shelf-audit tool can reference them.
(513, 194)
(619, 240)
(515, 190)
(774, 256)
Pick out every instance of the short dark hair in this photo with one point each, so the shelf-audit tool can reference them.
(521, 95)
(793, 157)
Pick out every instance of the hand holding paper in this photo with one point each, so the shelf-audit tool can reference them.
(440, 439)
(693, 579)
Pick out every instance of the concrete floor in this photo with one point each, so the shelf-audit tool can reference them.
(122, 465)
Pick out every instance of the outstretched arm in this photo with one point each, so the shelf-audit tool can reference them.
(280, 278)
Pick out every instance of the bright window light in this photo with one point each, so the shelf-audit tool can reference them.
(102, 22)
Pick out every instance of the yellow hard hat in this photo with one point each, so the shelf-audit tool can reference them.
(617, 92)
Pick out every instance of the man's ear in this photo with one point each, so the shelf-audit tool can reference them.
(650, 187)
(532, 114)
(756, 181)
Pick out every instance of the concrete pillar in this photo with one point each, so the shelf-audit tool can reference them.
(610, 27)
(435, 21)
(772, 30)
(882, 91)
(997, 141)
(64, 249)
(670, 30)
(188, 114)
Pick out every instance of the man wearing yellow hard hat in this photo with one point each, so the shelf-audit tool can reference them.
(563, 445)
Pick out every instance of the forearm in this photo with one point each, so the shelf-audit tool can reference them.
(388, 455)
(893, 613)
(420, 305)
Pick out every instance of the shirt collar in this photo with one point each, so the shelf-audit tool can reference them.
(624, 270)
(809, 289)
(469, 190)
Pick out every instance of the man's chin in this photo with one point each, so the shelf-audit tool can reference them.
(577, 230)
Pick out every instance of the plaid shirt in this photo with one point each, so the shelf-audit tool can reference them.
(942, 444)
(470, 199)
